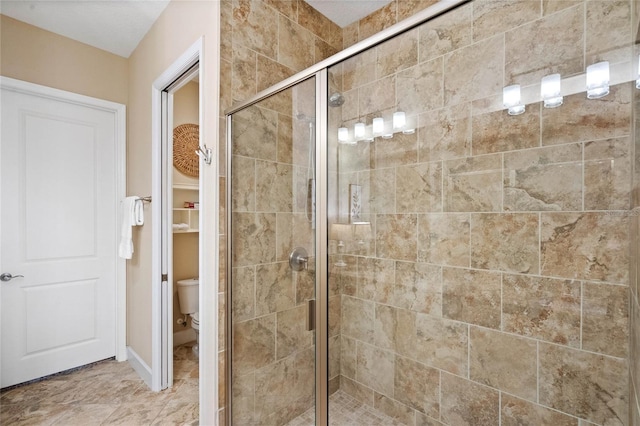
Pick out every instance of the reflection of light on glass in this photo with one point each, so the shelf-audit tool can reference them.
(638, 80)
(511, 99)
(598, 80)
(358, 131)
(378, 126)
(550, 91)
(343, 135)
(399, 120)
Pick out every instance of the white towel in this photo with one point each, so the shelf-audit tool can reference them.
(138, 212)
(129, 218)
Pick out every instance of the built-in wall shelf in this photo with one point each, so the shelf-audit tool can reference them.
(185, 220)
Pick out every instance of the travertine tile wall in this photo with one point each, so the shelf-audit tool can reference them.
(495, 286)
(634, 322)
(262, 43)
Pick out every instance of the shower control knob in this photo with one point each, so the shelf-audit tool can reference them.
(299, 259)
(6, 277)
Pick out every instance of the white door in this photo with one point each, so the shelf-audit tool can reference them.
(58, 215)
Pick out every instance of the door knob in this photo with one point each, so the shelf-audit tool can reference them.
(8, 277)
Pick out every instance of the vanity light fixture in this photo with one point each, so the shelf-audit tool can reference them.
(399, 120)
(598, 80)
(511, 99)
(550, 91)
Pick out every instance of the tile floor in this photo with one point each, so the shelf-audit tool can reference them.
(345, 410)
(106, 393)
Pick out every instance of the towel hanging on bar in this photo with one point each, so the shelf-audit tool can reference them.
(132, 209)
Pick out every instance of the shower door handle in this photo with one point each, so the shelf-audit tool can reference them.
(311, 314)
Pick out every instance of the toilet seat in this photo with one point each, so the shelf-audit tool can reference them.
(195, 320)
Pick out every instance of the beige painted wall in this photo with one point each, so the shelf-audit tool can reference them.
(32, 54)
(180, 26)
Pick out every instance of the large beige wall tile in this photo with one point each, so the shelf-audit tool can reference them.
(473, 184)
(274, 288)
(418, 287)
(445, 133)
(376, 278)
(357, 390)
(274, 189)
(358, 319)
(438, 343)
(498, 131)
(396, 236)
(407, 8)
(243, 185)
(419, 188)
(394, 409)
(474, 72)
(243, 293)
(471, 296)
(591, 246)
(605, 319)
(504, 362)
(419, 88)
(250, 125)
(375, 368)
(399, 53)
(270, 72)
(291, 332)
(254, 238)
(319, 24)
(254, 344)
(586, 385)
(553, 6)
(542, 308)
(285, 389)
(518, 412)
(347, 357)
(581, 119)
(491, 17)
(531, 179)
(417, 386)
(296, 45)
(445, 33)
(244, 398)
(464, 403)
(377, 21)
(607, 174)
(399, 151)
(359, 70)
(608, 28)
(506, 242)
(443, 239)
(293, 230)
(550, 45)
(249, 29)
(386, 327)
(377, 96)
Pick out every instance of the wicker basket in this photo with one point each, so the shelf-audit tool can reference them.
(186, 140)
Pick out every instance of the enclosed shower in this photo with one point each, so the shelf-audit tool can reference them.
(437, 225)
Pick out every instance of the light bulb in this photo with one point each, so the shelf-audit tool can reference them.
(550, 91)
(343, 135)
(598, 80)
(378, 126)
(399, 120)
(358, 131)
(511, 99)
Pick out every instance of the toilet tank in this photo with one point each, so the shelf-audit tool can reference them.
(188, 295)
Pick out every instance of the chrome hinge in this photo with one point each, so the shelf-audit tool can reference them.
(165, 277)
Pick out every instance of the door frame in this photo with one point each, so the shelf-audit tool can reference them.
(120, 114)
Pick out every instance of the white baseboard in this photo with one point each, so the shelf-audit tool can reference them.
(183, 336)
(139, 366)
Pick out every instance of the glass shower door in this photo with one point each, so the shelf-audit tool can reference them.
(272, 278)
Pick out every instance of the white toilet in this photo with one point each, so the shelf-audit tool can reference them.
(189, 299)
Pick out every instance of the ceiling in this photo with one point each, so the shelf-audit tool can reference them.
(117, 26)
